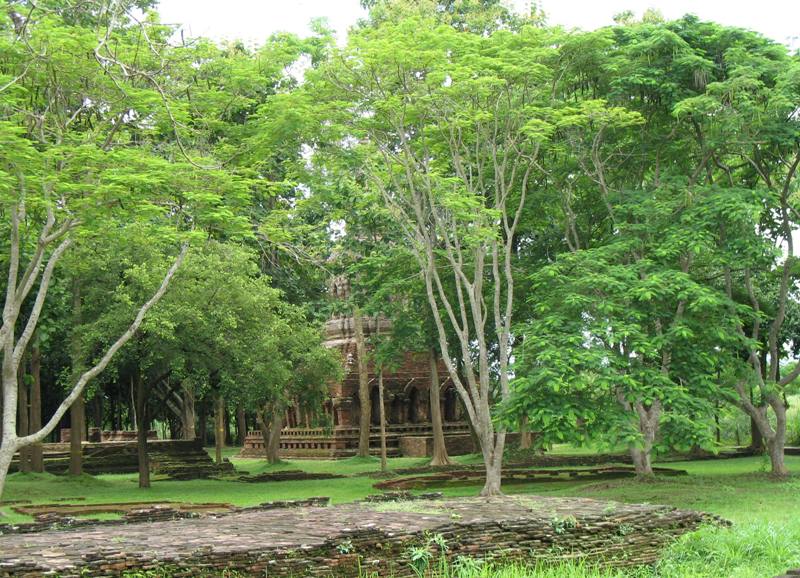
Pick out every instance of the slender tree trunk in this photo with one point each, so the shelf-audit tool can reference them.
(524, 434)
(202, 423)
(77, 422)
(264, 426)
(241, 425)
(439, 455)
(97, 408)
(23, 426)
(37, 453)
(219, 427)
(756, 439)
(382, 411)
(142, 427)
(492, 447)
(188, 414)
(226, 417)
(77, 411)
(777, 442)
(363, 385)
(274, 442)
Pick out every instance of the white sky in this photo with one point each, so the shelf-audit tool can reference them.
(254, 20)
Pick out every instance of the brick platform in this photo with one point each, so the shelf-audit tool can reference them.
(337, 540)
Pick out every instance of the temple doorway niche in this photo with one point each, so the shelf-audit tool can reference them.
(397, 410)
(413, 405)
(375, 406)
(450, 404)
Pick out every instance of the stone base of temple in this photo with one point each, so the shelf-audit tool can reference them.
(98, 435)
(411, 440)
(178, 459)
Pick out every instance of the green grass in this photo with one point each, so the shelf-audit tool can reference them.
(764, 541)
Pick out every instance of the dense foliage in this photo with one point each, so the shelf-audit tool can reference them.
(594, 230)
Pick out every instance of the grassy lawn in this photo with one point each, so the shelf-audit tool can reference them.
(764, 541)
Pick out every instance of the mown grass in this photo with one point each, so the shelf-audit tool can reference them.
(764, 541)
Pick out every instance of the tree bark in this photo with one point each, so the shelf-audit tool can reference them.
(77, 422)
(142, 427)
(241, 425)
(524, 434)
(97, 409)
(439, 455)
(219, 427)
(756, 439)
(382, 412)
(23, 424)
(37, 453)
(202, 423)
(24, 413)
(188, 414)
(274, 443)
(77, 411)
(363, 385)
(264, 426)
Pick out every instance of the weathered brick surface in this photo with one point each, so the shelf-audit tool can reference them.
(324, 541)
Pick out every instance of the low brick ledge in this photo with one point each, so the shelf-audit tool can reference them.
(338, 540)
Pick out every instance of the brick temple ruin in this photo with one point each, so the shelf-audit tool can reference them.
(406, 403)
(275, 539)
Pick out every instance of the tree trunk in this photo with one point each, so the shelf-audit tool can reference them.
(439, 455)
(274, 442)
(642, 463)
(776, 443)
(202, 423)
(263, 425)
(97, 410)
(776, 458)
(524, 434)
(382, 411)
(6, 455)
(219, 427)
(492, 448)
(142, 427)
(37, 454)
(77, 422)
(363, 385)
(23, 427)
(241, 425)
(77, 411)
(756, 439)
(188, 414)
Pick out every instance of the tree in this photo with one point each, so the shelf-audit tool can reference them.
(80, 157)
(454, 123)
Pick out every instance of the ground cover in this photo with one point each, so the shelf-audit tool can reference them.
(764, 541)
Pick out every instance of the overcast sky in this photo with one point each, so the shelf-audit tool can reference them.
(254, 20)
